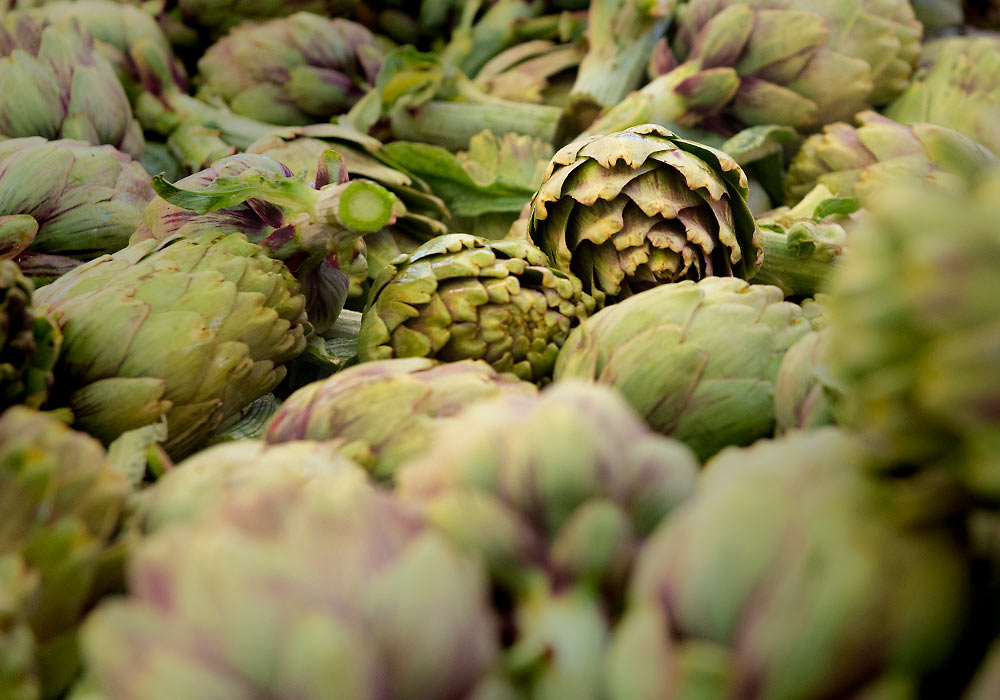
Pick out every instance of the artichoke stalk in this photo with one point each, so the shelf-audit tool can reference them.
(189, 329)
(29, 343)
(642, 207)
(697, 361)
(459, 297)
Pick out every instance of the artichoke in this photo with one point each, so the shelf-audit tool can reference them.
(295, 70)
(860, 161)
(698, 360)
(957, 86)
(387, 412)
(642, 207)
(338, 591)
(65, 88)
(85, 200)
(937, 15)
(922, 365)
(459, 297)
(189, 329)
(29, 344)
(805, 391)
(61, 501)
(554, 492)
(878, 595)
(802, 64)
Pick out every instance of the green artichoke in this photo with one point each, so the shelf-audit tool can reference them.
(805, 391)
(336, 591)
(938, 15)
(957, 86)
(61, 501)
(294, 70)
(85, 200)
(189, 329)
(387, 412)
(790, 575)
(538, 71)
(459, 297)
(65, 88)
(639, 208)
(915, 318)
(698, 360)
(860, 161)
(29, 344)
(802, 64)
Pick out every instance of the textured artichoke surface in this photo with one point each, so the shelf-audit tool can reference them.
(805, 390)
(388, 411)
(697, 361)
(193, 329)
(29, 345)
(642, 207)
(459, 297)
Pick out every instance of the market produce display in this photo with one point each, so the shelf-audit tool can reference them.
(499, 350)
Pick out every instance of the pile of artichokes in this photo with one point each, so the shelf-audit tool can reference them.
(499, 350)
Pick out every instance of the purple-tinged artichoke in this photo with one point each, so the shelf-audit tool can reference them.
(387, 412)
(29, 344)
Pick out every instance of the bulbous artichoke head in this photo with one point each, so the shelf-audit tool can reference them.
(29, 344)
(190, 329)
(388, 411)
(335, 591)
(61, 501)
(713, 586)
(638, 208)
(295, 70)
(697, 361)
(65, 88)
(459, 297)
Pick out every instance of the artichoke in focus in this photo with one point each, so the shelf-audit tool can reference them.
(792, 526)
(29, 344)
(805, 390)
(915, 318)
(336, 591)
(61, 501)
(189, 329)
(296, 70)
(387, 412)
(459, 297)
(65, 87)
(640, 208)
(697, 360)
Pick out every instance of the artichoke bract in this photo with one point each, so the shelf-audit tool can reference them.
(642, 207)
(86, 200)
(860, 161)
(296, 70)
(65, 88)
(189, 329)
(805, 390)
(791, 525)
(338, 591)
(61, 501)
(957, 86)
(697, 361)
(458, 297)
(802, 64)
(387, 412)
(922, 365)
(29, 344)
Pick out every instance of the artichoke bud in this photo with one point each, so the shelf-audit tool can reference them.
(29, 343)
(596, 545)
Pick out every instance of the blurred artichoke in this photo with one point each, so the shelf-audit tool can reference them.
(554, 492)
(189, 329)
(85, 200)
(698, 360)
(860, 161)
(802, 64)
(65, 88)
(295, 70)
(642, 207)
(29, 344)
(339, 591)
(387, 412)
(61, 500)
(915, 317)
(957, 86)
(459, 297)
(817, 585)
(938, 15)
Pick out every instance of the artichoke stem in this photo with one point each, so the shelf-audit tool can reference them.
(605, 80)
(360, 205)
(452, 124)
(176, 109)
(795, 274)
